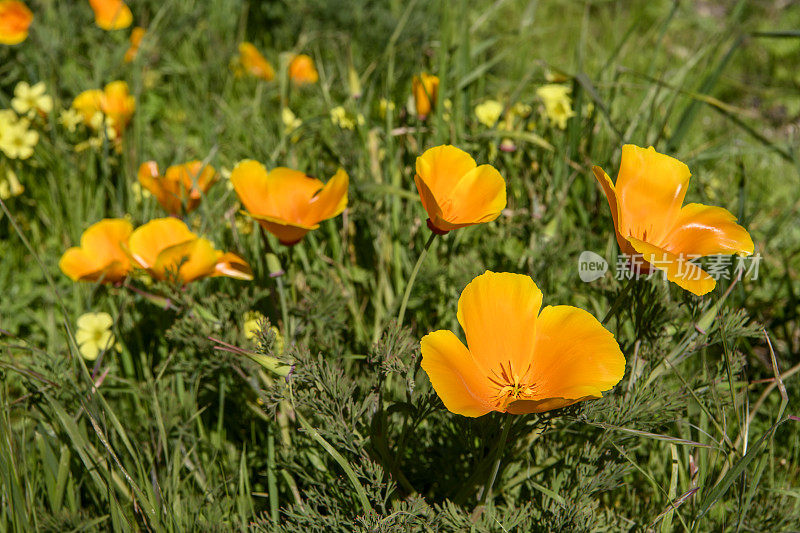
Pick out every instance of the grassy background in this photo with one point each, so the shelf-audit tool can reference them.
(184, 436)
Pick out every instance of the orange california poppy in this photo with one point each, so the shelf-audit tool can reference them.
(286, 202)
(111, 14)
(181, 186)
(519, 360)
(254, 63)
(15, 18)
(166, 247)
(101, 255)
(118, 105)
(455, 191)
(137, 34)
(425, 89)
(302, 70)
(653, 225)
(115, 102)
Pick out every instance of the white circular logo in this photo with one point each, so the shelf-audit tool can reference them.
(591, 266)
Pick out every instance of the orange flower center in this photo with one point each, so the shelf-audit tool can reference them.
(510, 386)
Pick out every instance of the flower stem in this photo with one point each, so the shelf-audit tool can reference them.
(284, 310)
(410, 284)
(617, 302)
(487, 489)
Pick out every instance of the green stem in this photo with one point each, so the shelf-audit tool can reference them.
(487, 489)
(284, 310)
(410, 284)
(617, 302)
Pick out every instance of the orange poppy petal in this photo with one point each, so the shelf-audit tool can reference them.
(302, 70)
(282, 194)
(611, 196)
(497, 312)
(249, 180)
(100, 256)
(151, 180)
(430, 205)
(184, 185)
(456, 379)
(524, 407)
(15, 19)
(650, 189)
(286, 232)
(80, 265)
(103, 238)
(147, 242)
(442, 167)
(678, 269)
(111, 14)
(479, 196)
(191, 260)
(707, 230)
(575, 358)
(330, 201)
(425, 89)
(255, 63)
(233, 266)
(291, 192)
(137, 34)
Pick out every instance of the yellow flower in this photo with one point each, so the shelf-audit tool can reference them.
(15, 18)
(16, 140)
(243, 225)
(94, 334)
(139, 193)
(10, 186)
(354, 83)
(425, 89)
(489, 112)
(252, 323)
(341, 118)
(557, 103)
(7, 118)
(31, 100)
(521, 110)
(290, 120)
(111, 14)
(385, 106)
(70, 118)
(519, 358)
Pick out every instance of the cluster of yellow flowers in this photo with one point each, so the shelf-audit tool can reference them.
(17, 139)
(340, 117)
